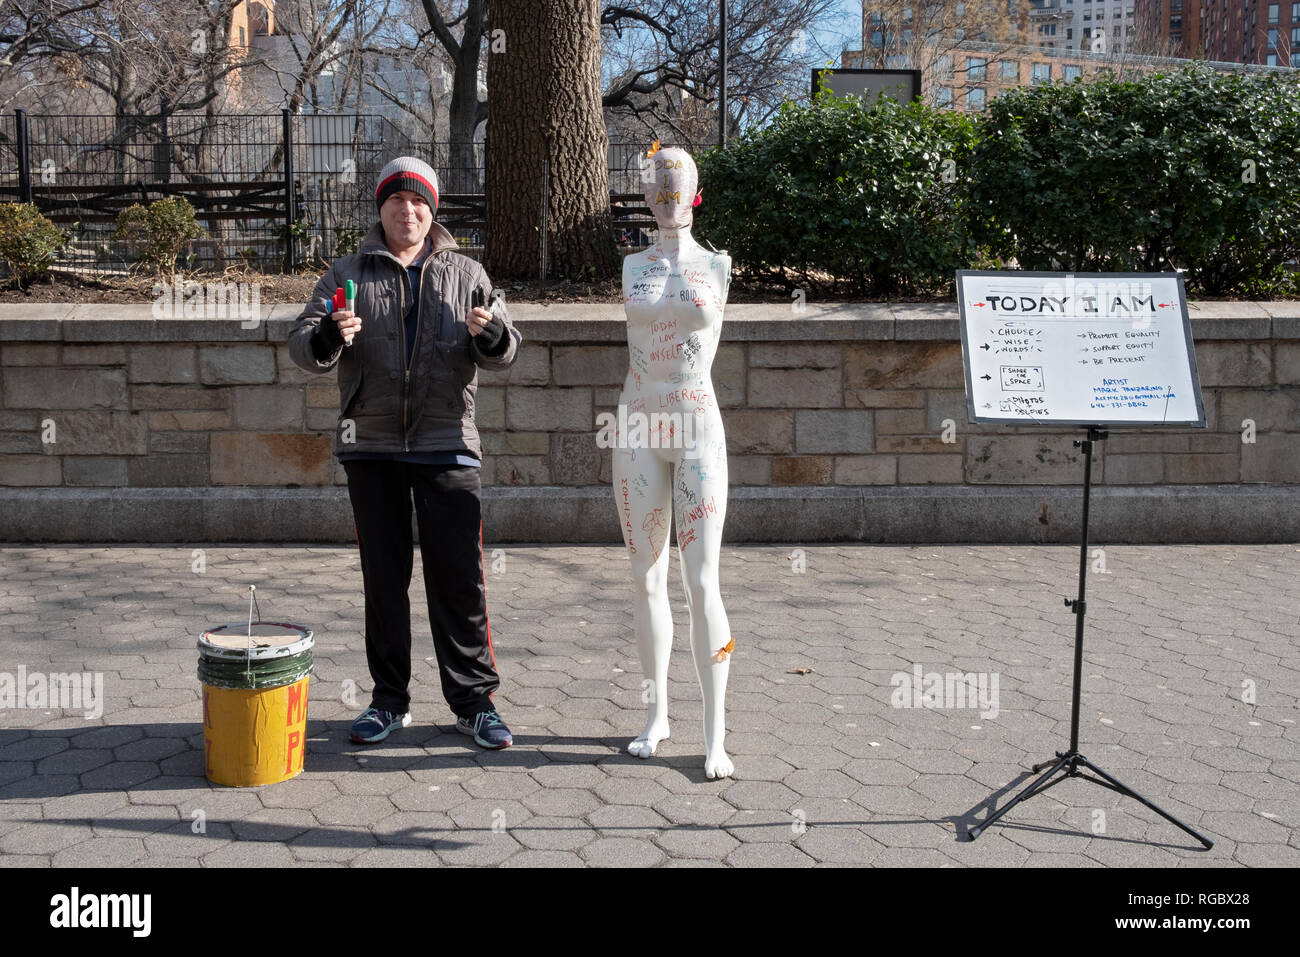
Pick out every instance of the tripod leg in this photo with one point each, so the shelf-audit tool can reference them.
(1038, 784)
(1123, 788)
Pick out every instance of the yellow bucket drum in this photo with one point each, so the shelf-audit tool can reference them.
(254, 701)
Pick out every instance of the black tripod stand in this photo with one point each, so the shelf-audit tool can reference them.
(1069, 763)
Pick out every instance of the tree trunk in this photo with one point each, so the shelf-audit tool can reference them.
(544, 90)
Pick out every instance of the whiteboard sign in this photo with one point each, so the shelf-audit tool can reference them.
(1078, 349)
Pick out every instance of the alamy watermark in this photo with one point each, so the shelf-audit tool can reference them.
(954, 689)
(213, 300)
(637, 429)
(37, 690)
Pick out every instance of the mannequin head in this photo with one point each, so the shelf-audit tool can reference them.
(670, 181)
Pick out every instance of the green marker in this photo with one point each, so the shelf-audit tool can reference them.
(350, 295)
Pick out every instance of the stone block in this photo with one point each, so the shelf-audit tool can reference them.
(178, 398)
(795, 355)
(1234, 363)
(575, 459)
(903, 365)
(167, 471)
(749, 470)
(917, 445)
(1202, 469)
(547, 410)
(268, 458)
(30, 470)
(1272, 410)
(34, 387)
(321, 420)
(21, 443)
(516, 443)
(1143, 468)
(323, 396)
(289, 372)
(30, 354)
(728, 375)
(269, 408)
(19, 421)
(100, 433)
(489, 407)
(522, 470)
(532, 366)
(754, 431)
(1025, 460)
(188, 421)
(795, 388)
(1272, 458)
(885, 398)
(94, 355)
(1286, 363)
(589, 365)
(178, 442)
(94, 470)
(929, 469)
(900, 421)
(247, 364)
(802, 470)
(165, 362)
(833, 430)
(866, 470)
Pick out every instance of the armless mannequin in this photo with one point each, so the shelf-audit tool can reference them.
(672, 474)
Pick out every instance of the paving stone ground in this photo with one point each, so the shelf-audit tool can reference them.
(1190, 682)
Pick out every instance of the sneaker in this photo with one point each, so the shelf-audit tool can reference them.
(488, 729)
(375, 725)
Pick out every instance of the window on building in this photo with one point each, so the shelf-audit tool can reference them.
(1069, 72)
(1271, 59)
(877, 39)
(1069, 33)
(943, 97)
(1175, 23)
(1295, 12)
(1042, 73)
(1272, 37)
(1273, 9)
(975, 99)
(976, 69)
(243, 40)
(961, 9)
(1295, 59)
(1009, 70)
(944, 65)
(1295, 36)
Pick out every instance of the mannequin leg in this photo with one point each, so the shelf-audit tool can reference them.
(700, 507)
(644, 501)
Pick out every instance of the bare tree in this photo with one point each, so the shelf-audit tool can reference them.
(662, 65)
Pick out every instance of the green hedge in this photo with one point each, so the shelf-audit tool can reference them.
(1191, 170)
(871, 196)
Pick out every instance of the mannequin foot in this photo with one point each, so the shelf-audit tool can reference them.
(717, 764)
(644, 745)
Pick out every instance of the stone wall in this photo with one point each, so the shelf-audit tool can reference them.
(850, 396)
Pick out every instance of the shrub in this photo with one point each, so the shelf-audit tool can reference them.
(872, 195)
(1190, 170)
(164, 229)
(29, 243)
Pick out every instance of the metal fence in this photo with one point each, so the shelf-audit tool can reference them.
(269, 190)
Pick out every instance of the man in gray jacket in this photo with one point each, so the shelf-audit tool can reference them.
(408, 355)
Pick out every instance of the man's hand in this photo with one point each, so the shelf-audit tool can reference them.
(479, 319)
(349, 324)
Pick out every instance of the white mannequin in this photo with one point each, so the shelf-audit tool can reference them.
(674, 295)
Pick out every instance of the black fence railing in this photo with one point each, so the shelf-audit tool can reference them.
(270, 190)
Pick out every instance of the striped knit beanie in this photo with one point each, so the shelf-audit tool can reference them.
(407, 172)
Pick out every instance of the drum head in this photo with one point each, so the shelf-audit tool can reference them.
(269, 640)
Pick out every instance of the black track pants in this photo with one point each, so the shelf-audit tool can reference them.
(448, 515)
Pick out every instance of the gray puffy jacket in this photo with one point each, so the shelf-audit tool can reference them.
(430, 406)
